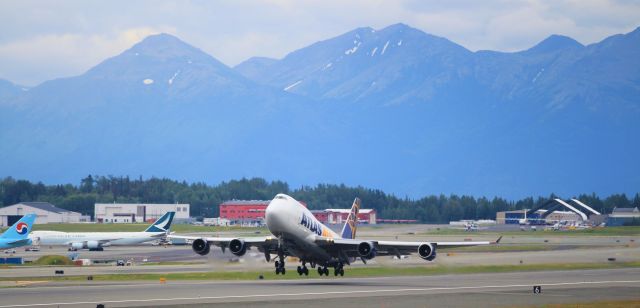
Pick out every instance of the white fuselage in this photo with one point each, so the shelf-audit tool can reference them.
(297, 228)
(110, 238)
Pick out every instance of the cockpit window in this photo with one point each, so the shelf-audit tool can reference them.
(281, 197)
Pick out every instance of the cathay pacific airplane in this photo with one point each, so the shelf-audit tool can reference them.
(97, 240)
(18, 234)
(296, 232)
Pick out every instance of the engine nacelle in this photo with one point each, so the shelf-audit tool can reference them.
(367, 250)
(93, 244)
(237, 247)
(201, 247)
(77, 245)
(427, 251)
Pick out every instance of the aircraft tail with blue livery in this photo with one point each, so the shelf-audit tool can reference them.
(349, 229)
(163, 224)
(18, 234)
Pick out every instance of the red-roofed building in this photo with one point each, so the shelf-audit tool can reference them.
(241, 210)
(253, 211)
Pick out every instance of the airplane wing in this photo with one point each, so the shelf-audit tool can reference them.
(349, 247)
(264, 244)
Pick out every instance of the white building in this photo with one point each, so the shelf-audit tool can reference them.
(137, 212)
(45, 211)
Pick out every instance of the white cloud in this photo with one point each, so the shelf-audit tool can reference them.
(40, 58)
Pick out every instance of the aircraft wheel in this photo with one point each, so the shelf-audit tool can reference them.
(283, 270)
(299, 270)
(306, 271)
(320, 271)
(341, 272)
(277, 264)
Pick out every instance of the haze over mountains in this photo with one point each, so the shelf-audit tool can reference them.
(395, 109)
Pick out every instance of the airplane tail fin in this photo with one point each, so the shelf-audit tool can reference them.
(20, 229)
(163, 224)
(349, 229)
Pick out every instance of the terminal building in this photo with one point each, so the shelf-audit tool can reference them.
(45, 212)
(253, 211)
(138, 212)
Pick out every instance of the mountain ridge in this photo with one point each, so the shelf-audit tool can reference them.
(395, 108)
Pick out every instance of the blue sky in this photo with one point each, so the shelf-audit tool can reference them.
(42, 40)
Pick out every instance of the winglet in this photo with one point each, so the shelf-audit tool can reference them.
(498, 240)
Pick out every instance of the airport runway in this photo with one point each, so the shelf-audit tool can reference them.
(255, 261)
(471, 290)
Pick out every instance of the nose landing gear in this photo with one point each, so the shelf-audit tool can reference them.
(280, 266)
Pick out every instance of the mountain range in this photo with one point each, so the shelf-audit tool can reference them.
(396, 109)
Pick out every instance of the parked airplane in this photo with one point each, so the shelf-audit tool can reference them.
(296, 232)
(18, 234)
(95, 241)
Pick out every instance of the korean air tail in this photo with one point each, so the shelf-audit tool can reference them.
(20, 230)
(163, 224)
(349, 229)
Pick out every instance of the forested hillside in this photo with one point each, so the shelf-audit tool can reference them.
(204, 199)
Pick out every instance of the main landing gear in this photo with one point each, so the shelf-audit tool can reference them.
(323, 270)
(303, 270)
(338, 270)
(280, 267)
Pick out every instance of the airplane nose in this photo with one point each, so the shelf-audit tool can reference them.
(272, 218)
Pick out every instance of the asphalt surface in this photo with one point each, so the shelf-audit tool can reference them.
(470, 290)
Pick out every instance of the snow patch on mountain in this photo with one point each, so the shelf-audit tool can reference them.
(174, 77)
(537, 75)
(354, 49)
(147, 81)
(289, 87)
(384, 48)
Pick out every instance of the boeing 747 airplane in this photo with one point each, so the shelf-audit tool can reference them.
(97, 240)
(296, 232)
(18, 234)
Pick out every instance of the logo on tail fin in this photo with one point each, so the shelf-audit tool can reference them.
(22, 228)
(349, 229)
(163, 224)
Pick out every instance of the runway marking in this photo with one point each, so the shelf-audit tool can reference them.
(318, 293)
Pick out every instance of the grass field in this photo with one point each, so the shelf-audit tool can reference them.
(351, 272)
(605, 231)
(178, 228)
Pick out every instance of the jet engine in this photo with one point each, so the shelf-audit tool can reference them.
(427, 251)
(200, 246)
(367, 250)
(93, 244)
(237, 247)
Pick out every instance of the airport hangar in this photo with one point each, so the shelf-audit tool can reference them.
(45, 211)
(253, 211)
(138, 212)
(575, 211)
